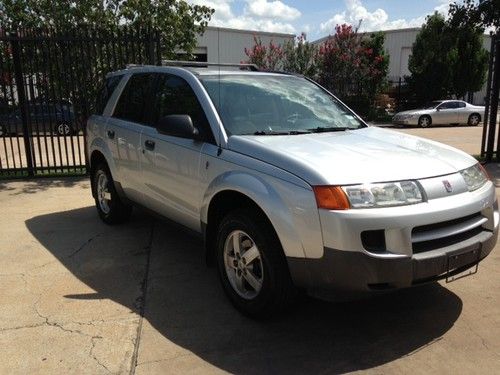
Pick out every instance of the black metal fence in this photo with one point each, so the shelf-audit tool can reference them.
(490, 144)
(48, 87)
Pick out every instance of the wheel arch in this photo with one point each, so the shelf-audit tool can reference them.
(96, 157)
(476, 113)
(233, 191)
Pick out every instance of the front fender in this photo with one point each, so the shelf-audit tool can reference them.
(290, 209)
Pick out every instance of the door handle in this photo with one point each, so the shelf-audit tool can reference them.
(111, 134)
(150, 145)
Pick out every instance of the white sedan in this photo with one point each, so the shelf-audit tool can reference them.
(441, 112)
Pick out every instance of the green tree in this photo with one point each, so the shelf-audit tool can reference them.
(178, 21)
(482, 13)
(471, 64)
(432, 60)
(301, 57)
(447, 59)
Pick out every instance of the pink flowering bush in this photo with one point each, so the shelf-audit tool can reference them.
(265, 57)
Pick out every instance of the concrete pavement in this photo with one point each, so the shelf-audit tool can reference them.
(80, 297)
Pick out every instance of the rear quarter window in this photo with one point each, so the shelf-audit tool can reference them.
(134, 99)
(106, 91)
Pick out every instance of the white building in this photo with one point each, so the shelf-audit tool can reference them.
(223, 45)
(398, 44)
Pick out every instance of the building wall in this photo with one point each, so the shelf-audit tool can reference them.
(231, 43)
(398, 44)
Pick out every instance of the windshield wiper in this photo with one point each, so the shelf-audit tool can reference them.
(273, 132)
(324, 129)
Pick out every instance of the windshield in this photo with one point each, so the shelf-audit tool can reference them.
(272, 104)
(432, 105)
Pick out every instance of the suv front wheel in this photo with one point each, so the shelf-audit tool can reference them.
(110, 207)
(252, 266)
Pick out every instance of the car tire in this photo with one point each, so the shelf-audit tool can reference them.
(63, 128)
(3, 131)
(425, 121)
(110, 207)
(474, 119)
(252, 266)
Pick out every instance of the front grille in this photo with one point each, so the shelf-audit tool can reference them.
(434, 236)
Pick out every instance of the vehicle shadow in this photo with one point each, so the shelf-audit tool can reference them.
(41, 184)
(185, 304)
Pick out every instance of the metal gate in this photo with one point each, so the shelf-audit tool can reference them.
(49, 83)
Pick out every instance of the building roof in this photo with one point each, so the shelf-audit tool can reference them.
(409, 29)
(242, 31)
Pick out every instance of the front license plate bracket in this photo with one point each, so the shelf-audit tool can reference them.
(463, 264)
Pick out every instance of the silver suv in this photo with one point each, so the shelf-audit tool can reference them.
(288, 187)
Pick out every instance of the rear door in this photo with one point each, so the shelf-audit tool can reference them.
(123, 132)
(170, 164)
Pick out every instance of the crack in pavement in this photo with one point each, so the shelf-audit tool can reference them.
(93, 356)
(93, 338)
(142, 302)
(82, 246)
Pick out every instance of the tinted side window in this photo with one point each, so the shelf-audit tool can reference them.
(107, 90)
(132, 103)
(461, 105)
(449, 105)
(174, 96)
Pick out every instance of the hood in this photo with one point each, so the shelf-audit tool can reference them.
(366, 155)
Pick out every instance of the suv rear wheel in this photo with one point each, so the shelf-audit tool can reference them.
(252, 266)
(110, 207)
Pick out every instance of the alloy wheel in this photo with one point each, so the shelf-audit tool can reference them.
(243, 264)
(103, 194)
(424, 122)
(474, 120)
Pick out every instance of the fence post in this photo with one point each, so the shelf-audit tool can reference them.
(399, 95)
(495, 90)
(21, 96)
(487, 99)
(151, 48)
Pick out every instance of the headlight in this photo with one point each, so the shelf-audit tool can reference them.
(383, 195)
(474, 177)
(367, 195)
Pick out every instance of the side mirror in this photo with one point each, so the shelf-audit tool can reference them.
(178, 126)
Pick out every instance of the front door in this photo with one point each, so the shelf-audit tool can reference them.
(446, 113)
(171, 165)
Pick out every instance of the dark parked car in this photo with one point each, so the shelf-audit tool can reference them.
(43, 118)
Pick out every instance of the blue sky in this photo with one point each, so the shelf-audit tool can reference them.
(318, 17)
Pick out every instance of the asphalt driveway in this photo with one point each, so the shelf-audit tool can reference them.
(80, 297)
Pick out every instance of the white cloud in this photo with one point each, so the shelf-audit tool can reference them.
(222, 7)
(444, 6)
(258, 15)
(272, 9)
(376, 20)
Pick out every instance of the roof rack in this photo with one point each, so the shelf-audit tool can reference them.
(200, 64)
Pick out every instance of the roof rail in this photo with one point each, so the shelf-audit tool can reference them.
(201, 64)
(129, 66)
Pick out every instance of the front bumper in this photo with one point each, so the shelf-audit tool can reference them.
(347, 271)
